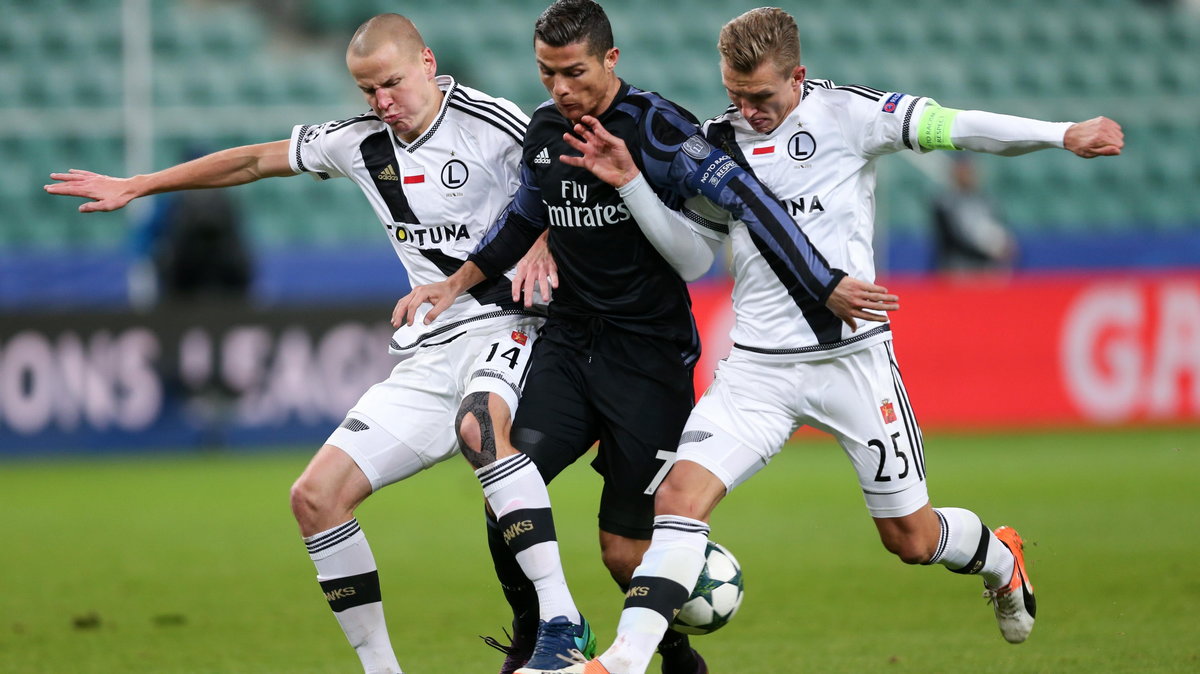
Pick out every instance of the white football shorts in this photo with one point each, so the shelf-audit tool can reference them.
(756, 402)
(406, 423)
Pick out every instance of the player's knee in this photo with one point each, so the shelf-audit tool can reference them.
(319, 502)
(689, 490)
(469, 433)
(672, 499)
(473, 426)
(306, 500)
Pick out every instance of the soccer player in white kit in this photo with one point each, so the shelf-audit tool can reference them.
(792, 364)
(439, 163)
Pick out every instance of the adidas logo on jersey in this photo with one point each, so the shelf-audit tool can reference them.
(388, 173)
(542, 157)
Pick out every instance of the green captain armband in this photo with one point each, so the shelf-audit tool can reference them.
(933, 131)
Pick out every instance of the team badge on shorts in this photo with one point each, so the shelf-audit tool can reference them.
(888, 412)
(520, 337)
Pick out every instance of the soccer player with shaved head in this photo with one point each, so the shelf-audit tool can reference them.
(438, 162)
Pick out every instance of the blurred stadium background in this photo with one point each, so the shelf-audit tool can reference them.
(77, 92)
(1098, 325)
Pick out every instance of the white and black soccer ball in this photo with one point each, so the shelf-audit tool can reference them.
(717, 595)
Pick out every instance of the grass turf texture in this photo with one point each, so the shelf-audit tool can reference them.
(149, 564)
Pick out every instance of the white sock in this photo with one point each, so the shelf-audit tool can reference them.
(968, 546)
(518, 496)
(348, 576)
(660, 585)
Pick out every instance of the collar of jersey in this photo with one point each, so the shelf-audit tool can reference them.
(622, 91)
(447, 84)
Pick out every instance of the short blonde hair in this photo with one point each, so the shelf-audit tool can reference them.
(758, 35)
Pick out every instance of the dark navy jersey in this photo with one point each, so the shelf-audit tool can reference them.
(607, 268)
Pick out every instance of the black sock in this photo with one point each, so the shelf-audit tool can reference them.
(518, 590)
(677, 654)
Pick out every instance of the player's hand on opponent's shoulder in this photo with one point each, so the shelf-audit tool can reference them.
(852, 299)
(537, 272)
(604, 154)
(1097, 137)
(106, 192)
(441, 295)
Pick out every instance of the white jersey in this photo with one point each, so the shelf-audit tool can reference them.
(435, 196)
(820, 163)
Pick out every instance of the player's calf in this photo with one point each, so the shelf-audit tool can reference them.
(621, 556)
(912, 550)
(914, 538)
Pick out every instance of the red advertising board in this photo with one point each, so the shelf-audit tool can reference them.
(1055, 350)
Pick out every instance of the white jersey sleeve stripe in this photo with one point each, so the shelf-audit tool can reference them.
(861, 91)
(864, 89)
(480, 113)
(504, 113)
(365, 117)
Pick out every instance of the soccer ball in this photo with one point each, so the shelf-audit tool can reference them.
(717, 595)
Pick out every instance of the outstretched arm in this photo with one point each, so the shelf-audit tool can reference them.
(979, 131)
(235, 166)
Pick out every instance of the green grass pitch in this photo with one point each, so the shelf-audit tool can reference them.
(150, 564)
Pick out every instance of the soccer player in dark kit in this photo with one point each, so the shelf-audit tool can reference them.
(614, 362)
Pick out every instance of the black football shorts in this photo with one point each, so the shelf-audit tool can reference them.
(631, 393)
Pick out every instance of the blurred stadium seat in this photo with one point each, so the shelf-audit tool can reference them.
(1066, 59)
